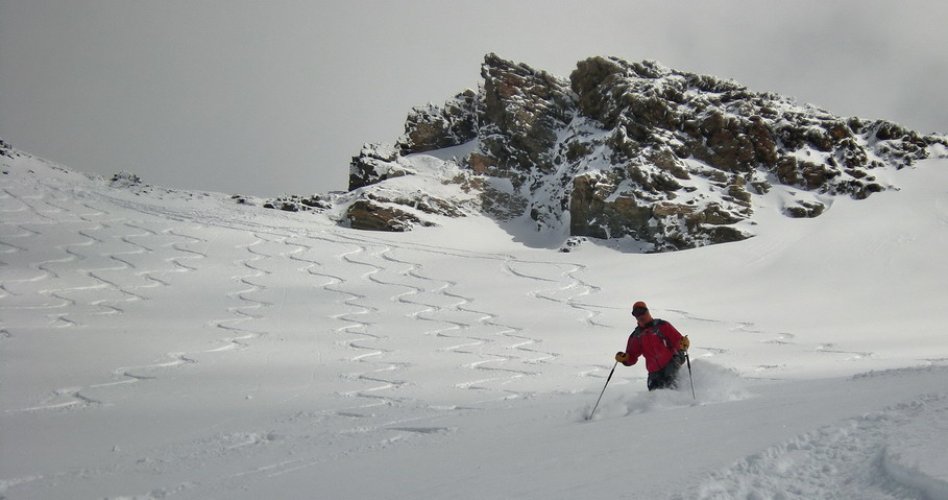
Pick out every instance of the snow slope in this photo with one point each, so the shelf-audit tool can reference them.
(158, 343)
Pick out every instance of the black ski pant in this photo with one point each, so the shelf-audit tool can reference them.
(667, 377)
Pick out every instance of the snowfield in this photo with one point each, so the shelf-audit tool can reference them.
(166, 344)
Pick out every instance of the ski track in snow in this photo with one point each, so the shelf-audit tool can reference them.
(567, 293)
(429, 300)
(369, 348)
(98, 296)
(493, 355)
(178, 264)
(92, 247)
(72, 398)
(777, 339)
(248, 308)
(410, 288)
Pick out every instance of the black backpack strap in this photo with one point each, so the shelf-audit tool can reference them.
(656, 327)
(637, 332)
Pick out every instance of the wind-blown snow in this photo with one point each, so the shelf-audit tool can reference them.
(158, 343)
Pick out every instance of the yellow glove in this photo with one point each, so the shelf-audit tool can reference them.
(684, 344)
(622, 357)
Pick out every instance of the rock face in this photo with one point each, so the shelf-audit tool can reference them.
(374, 164)
(524, 110)
(630, 150)
(435, 127)
(364, 214)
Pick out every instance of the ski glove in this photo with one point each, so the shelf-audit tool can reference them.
(684, 344)
(622, 357)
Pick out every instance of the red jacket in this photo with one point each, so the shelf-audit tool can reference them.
(645, 341)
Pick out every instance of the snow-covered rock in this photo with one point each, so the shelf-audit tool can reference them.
(631, 150)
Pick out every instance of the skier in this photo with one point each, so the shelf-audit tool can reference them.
(660, 343)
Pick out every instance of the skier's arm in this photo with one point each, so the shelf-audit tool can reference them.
(633, 350)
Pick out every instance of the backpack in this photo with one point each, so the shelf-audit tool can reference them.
(656, 323)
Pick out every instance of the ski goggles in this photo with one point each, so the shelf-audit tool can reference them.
(639, 311)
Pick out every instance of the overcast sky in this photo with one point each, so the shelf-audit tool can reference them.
(275, 97)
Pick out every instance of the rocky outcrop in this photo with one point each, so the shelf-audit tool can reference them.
(124, 180)
(733, 130)
(634, 150)
(524, 109)
(375, 164)
(436, 127)
(368, 215)
(379, 200)
(5, 149)
(295, 203)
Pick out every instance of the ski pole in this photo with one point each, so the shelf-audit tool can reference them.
(603, 391)
(688, 360)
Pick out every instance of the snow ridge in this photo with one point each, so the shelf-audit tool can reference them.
(853, 459)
